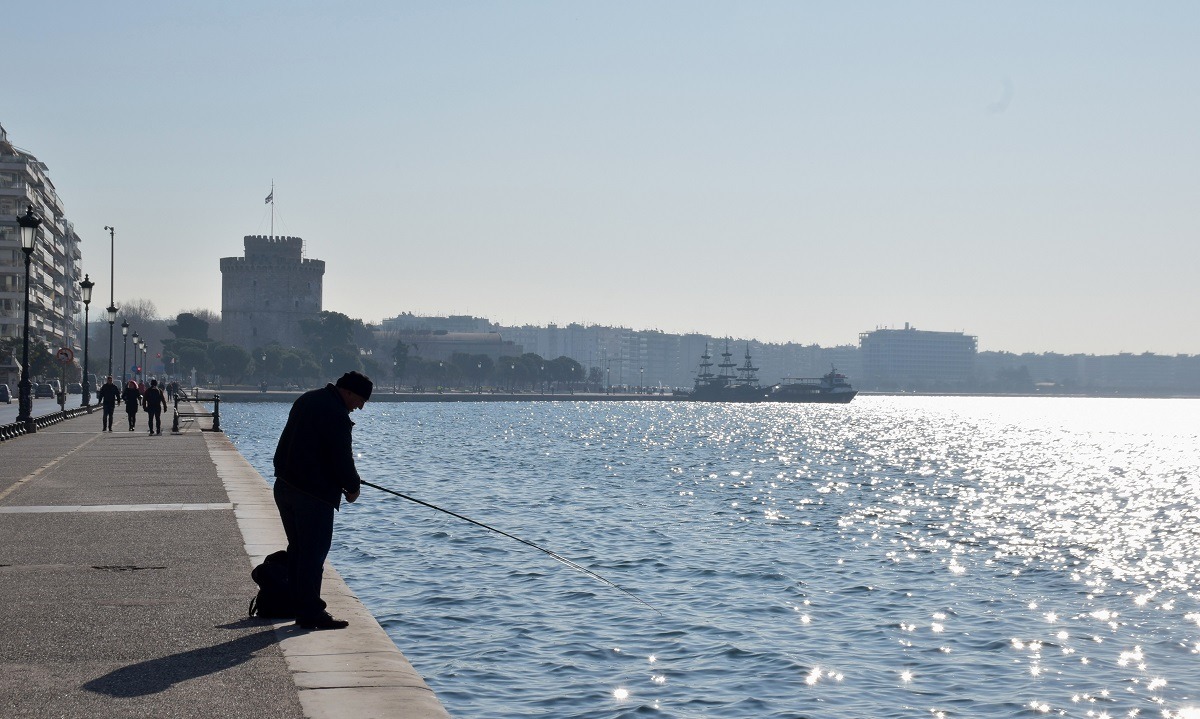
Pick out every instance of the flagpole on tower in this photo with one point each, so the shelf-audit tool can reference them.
(271, 202)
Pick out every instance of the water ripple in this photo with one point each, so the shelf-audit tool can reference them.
(896, 557)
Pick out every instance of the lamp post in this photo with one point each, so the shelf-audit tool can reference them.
(641, 380)
(112, 319)
(124, 349)
(112, 305)
(85, 292)
(29, 223)
(133, 373)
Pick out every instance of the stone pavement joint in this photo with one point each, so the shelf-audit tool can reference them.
(124, 573)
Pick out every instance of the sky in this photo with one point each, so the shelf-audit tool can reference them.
(1025, 172)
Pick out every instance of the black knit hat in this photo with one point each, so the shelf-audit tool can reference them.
(358, 383)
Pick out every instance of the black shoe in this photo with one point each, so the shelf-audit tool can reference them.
(322, 622)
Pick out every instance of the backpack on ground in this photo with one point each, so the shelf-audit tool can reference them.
(274, 600)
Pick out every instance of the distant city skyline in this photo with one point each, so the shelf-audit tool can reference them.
(782, 171)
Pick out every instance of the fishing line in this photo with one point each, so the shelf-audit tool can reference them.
(559, 557)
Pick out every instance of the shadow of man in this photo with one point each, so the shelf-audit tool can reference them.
(157, 675)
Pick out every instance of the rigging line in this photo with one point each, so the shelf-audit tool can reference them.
(557, 556)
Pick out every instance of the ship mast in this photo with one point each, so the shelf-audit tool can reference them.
(726, 364)
(746, 371)
(706, 374)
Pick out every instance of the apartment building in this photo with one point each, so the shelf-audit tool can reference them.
(917, 360)
(54, 273)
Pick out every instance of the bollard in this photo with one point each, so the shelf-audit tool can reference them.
(216, 413)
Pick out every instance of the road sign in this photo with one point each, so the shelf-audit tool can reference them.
(65, 356)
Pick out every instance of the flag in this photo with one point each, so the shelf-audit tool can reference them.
(270, 197)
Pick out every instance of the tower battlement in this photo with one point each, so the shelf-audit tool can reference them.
(266, 294)
(290, 248)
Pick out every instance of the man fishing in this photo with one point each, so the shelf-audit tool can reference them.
(314, 468)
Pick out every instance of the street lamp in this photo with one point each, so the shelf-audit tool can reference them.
(641, 380)
(29, 223)
(133, 373)
(112, 305)
(112, 319)
(85, 293)
(124, 348)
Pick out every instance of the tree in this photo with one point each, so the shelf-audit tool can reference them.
(564, 369)
(189, 326)
(139, 312)
(230, 361)
(399, 360)
(191, 355)
(42, 362)
(330, 333)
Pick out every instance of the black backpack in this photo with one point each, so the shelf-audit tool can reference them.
(274, 600)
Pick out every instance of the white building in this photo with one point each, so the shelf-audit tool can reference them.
(54, 301)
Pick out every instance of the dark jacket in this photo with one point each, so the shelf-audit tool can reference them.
(108, 394)
(154, 400)
(314, 454)
(132, 398)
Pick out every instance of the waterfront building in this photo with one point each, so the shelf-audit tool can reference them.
(266, 294)
(54, 273)
(917, 360)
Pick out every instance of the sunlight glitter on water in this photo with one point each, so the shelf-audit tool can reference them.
(1050, 546)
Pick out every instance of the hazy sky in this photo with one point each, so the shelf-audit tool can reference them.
(1027, 172)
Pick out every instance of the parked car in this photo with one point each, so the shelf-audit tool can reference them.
(5, 394)
(43, 391)
(74, 388)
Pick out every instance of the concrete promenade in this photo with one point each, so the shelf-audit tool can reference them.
(124, 583)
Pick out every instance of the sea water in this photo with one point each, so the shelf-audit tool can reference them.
(895, 557)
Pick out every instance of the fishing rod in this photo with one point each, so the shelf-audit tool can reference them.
(556, 555)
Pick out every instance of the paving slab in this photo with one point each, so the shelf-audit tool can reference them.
(125, 576)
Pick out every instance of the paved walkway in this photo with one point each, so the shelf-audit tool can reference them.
(124, 583)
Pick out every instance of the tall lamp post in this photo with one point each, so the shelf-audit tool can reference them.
(29, 223)
(85, 291)
(112, 305)
(124, 349)
(112, 320)
(133, 373)
(142, 360)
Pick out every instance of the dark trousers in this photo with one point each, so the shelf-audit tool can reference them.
(308, 523)
(108, 416)
(132, 412)
(154, 417)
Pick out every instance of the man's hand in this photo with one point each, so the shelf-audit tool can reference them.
(351, 496)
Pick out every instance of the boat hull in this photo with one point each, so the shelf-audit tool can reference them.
(811, 397)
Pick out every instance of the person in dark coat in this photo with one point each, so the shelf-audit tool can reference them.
(314, 469)
(154, 402)
(132, 398)
(107, 396)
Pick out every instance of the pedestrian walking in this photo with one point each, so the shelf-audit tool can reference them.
(107, 395)
(132, 398)
(314, 469)
(154, 402)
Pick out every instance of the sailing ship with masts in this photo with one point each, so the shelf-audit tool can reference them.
(740, 384)
(731, 384)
